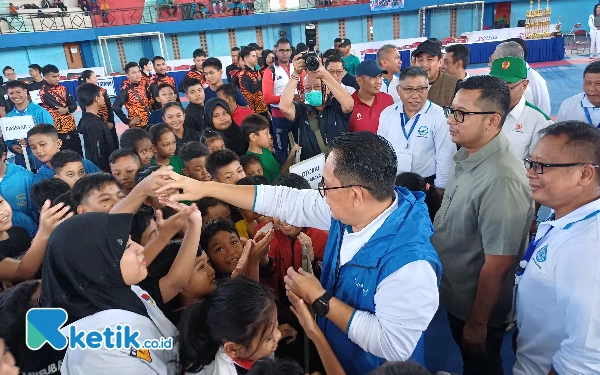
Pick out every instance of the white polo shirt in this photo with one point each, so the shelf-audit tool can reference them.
(522, 125)
(429, 146)
(537, 90)
(391, 88)
(558, 299)
(573, 108)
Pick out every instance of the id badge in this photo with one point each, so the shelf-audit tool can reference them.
(404, 163)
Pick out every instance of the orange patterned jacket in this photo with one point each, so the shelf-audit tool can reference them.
(58, 96)
(251, 87)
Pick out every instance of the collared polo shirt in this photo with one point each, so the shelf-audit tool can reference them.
(366, 118)
(487, 210)
(573, 108)
(429, 144)
(391, 87)
(558, 298)
(522, 126)
(537, 90)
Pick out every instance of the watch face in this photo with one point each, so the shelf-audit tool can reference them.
(321, 307)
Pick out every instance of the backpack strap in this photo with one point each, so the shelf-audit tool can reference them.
(313, 122)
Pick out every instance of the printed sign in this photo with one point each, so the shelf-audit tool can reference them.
(379, 5)
(107, 84)
(35, 96)
(16, 127)
(310, 169)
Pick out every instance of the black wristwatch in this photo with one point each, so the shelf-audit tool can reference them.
(321, 305)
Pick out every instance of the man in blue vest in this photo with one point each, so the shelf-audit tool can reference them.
(379, 284)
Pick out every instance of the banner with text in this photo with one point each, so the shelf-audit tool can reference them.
(379, 5)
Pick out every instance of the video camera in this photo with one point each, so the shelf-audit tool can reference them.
(310, 57)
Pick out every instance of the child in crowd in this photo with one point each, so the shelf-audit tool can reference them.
(98, 141)
(251, 220)
(165, 93)
(14, 243)
(82, 255)
(256, 130)
(68, 166)
(174, 116)
(96, 192)
(230, 330)
(213, 140)
(45, 143)
(251, 165)
(222, 244)
(229, 93)
(124, 165)
(105, 112)
(194, 112)
(15, 186)
(139, 141)
(218, 117)
(224, 166)
(212, 208)
(194, 156)
(48, 189)
(414, 182)
(164, 143)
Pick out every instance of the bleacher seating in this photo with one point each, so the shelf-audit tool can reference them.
(54, 19)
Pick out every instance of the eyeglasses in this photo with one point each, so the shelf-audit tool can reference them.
(515, 86)
(323, 189)
(284, 50)
(459, 115)
(412, 90)
(336, 72)
(538, 167)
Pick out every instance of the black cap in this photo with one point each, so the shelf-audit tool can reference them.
(429, 46)
(345, 43)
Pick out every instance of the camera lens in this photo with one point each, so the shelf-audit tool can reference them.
(312, 63)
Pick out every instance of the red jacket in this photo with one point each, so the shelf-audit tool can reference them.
(240, 114)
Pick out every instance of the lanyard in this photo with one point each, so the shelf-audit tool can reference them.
(588, 117)
(527, 256)
(404, 120)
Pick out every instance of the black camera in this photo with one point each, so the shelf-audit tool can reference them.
(310, 57)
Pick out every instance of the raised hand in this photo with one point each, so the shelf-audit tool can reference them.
(51, 217)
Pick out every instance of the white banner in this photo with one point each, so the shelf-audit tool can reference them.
(108, 84)
(311, 170)
(14, 128)
(361, 49)
(497, 34)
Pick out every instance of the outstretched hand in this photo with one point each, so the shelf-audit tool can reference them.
(178, 187)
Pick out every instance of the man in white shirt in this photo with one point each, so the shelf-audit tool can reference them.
(584, 106)
(558, 298)
(418, 130)
(388, 58)
(456, 60)
(378, 289)
(537, 91)
(524, 120)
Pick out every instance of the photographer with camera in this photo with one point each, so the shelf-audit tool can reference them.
(327, 111)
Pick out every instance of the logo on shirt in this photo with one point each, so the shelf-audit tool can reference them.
(141, 354)
(519, 128)
(147, 297)
(278, 78)
(423, 131)
(358, 116)
(541, 255)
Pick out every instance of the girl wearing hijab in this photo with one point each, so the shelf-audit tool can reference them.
(218, 116)
(91, 271)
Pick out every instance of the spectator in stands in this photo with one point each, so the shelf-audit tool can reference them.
(59, 4)
(274, 81)
(83, 5)
(429, 151)
(105, 112)
(251, 83)
(369, 101)
(61, 105)
(46, 4)
(483, 224)
(350, 60)
(12, 10)
(229, 93)
(135, 97)
(331, 109)
(524, 121)
(196, 70)
(537, 91)
(35, 72)
(442, 86)
(213, 73)
(584, 106)
(456, 61)
(556, 316)
(233, 67)
(214, 7)
(388, 59)
(104, 8)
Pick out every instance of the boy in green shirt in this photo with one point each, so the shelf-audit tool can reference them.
(164, 144)
(256, 131)
(350, 60)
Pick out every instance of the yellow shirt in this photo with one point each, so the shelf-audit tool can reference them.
(242, 228)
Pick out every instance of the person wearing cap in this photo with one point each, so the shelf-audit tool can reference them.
(584, 106)
(369, 101)
(350, 60)
(389, 59)
(442, 86)
(524, 121)
(481, 229)
(418, 131)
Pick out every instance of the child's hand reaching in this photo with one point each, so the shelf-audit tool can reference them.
(261, 249)
(242, 266)
(287, 331)
(305, 240)
(50, 217)
(178, 222)
(305, 317)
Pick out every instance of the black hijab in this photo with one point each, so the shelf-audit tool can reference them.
(82, 272)
(233, 136)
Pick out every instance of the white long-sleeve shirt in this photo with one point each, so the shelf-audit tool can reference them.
(405, 301)
(537, 91)
(558, 298)
(430, 144)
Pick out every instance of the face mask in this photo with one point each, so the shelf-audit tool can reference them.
(314, 98)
